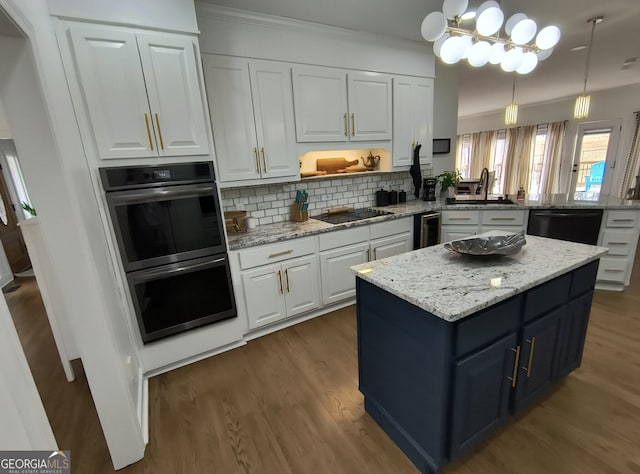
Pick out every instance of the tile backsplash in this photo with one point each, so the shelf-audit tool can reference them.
(272, 203)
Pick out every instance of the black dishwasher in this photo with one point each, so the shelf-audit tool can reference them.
(574, 225)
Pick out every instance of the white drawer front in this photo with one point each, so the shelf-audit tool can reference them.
(619, 242)
(278, 252)
(460, 217)
(340, 238)
(612, 269)
(504, 217)
(394, 226)
(622, 218)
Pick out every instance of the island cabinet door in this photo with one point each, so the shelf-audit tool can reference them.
(573, 330)
(537, 358)
(482, 384)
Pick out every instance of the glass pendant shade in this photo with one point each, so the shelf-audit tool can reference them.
(437, 46)
(489, 18)
(497, 53)
(511, 114)
(581, 110)
(512, 60)
(544, 54)
(513, 21)
(529, 63)
(452, 50)
(433, 26)
(548, 37)
(524, 31)
(454, 8)
(479, 54)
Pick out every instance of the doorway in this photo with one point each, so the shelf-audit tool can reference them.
(594, 159)
(11, 210)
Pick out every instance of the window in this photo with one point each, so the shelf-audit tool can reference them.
(18, 182)
(463, 161)
(499, 162)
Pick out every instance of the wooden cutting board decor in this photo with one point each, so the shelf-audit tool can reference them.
(332, 165)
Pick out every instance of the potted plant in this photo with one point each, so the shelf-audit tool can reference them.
(449, 180)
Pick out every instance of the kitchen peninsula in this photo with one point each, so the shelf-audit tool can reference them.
(449, 346)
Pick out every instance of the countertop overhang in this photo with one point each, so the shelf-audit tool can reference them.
(452, 286)
(270, 233)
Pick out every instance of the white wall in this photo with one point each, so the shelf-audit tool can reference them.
(37, 103)
(611, 104)
(5, 132)
(445, 114)
(239, 33)
(174, 15)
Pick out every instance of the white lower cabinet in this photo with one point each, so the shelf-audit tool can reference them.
(450, 232)
(338, 282)
(277, 291)
(619, 233)
(390, 246)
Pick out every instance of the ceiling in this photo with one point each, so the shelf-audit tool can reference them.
(487, 89)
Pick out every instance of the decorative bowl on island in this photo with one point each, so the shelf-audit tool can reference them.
(495, 242)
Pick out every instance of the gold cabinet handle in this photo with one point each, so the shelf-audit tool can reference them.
(286, 274)
(159, 132)
(279, 254)
(514, 375)
(146, 122)
(353, 124)
(280, 280)
(531, 341)
(255, 154)
(368, 255)
(264, 161)
(346, 132)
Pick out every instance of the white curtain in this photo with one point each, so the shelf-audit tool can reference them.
(552, 157)
(633, 163)
(520, 147)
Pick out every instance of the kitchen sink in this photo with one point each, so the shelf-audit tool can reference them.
(453, 201)
(350, 216)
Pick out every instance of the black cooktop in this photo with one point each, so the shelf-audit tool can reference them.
(350, 216)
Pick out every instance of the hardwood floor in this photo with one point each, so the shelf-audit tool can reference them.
(289, 403)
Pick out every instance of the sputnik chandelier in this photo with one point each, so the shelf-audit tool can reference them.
(515, 50)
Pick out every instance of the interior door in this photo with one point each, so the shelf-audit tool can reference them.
(595, 158)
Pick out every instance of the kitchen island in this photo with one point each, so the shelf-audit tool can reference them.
(450, 346)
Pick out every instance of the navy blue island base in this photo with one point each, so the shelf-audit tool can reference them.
(439, 388)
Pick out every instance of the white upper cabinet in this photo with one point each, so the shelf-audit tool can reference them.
(141, 91)
(412, 120)
(335, 106)
(251, 110)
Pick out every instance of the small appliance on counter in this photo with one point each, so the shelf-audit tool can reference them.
(429, 189)
(382, 198)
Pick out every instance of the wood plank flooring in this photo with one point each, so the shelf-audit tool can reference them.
(289, 403)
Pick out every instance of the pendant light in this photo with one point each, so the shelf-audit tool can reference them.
(511, 112)
(581, 109)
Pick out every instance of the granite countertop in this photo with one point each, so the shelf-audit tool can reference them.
(271, 233)
(452, 286)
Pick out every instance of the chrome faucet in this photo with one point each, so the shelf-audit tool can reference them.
(484, 179)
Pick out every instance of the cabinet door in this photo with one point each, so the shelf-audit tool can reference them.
(273, 112)
(112, 82)
(320, 100)
(403, 122)
(423, 118)
(173, 88)
(389, 246)
(453, 232)
(573, 330)
(338, 281)
(537, 358)
(369, 107)
(481, 399)
(264, 295)
(229, 94)
(301, 282)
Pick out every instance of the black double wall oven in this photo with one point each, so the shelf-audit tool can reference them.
(168, 225)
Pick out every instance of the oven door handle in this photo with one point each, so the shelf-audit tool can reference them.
(146, 275)
(154, 193)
